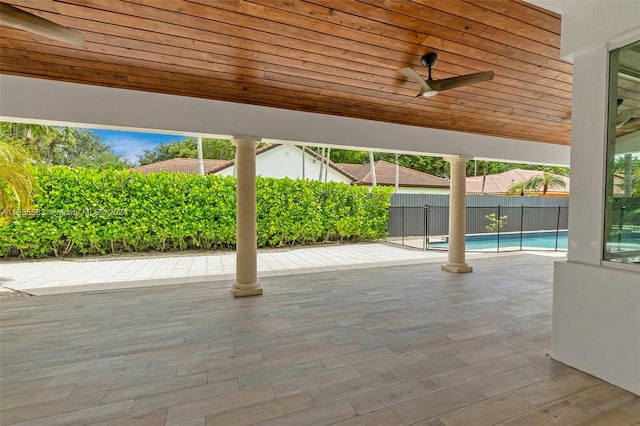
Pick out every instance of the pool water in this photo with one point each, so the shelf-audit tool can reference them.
(545, 240)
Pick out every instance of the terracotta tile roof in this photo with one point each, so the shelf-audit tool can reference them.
(190, 165)
(501, 182)
(181, 165)
(386, 175)
(358, 171)
(359, 174)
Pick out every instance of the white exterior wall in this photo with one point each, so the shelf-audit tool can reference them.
(596, 321)
(286, 161)
(596, 305)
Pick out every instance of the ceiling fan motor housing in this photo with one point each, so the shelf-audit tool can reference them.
(429, 59)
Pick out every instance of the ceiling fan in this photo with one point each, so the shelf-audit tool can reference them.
(431, 87)
(17, 18)
(625, 116)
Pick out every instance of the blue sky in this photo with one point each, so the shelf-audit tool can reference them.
(130, 144)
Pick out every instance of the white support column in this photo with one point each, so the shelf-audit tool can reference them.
(246, 240)
(457, 216)
(200, 158)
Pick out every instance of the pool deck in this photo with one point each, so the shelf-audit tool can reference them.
(53, 276)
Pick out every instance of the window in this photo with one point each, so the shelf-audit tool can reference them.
(622, 214)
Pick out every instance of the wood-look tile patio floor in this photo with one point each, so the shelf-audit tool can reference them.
(395, 345)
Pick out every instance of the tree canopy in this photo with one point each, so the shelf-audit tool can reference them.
(437, 166)
(63, 146)
(212, 149)
(624, 164)
(17, 180)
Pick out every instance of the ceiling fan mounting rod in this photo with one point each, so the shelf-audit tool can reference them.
(429, 60)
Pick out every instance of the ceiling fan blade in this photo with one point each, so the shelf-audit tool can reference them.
(463, 80)
(412, 75)
(624, 116)
(17, 18)
(632, 122)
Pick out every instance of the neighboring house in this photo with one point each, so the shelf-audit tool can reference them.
(500, 183)
(410, 181)
(280, 161)
(180, 165)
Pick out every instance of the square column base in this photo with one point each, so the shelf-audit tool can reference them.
(246, 290)
(458, 268)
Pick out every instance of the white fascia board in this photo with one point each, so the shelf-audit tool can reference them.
(46, 101)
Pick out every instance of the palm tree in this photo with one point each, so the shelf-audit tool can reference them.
(17, 181)
(546, 181)
(33, 135)
(484, 176)
(518, 188)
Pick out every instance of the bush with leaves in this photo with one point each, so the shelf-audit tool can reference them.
(17, 179)
(495, 223)
(88, 211)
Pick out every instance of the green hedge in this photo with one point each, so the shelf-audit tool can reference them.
(631, 213)
(87, 211)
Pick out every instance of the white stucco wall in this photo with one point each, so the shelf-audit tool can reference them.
(596, 306)
(596, 319)
(286, 161)
(586, 27)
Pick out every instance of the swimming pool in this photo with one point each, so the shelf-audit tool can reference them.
(542, 240)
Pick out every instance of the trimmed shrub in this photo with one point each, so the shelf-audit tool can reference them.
(87, 211)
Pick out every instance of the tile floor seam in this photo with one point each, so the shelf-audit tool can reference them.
(541, 406)
(504, 393)
(567, 396)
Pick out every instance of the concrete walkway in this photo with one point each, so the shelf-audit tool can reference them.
(53, 276)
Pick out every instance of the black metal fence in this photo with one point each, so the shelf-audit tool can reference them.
(493, 228)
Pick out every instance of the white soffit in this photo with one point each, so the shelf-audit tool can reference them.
(38, 100)
(557, 6)
(586, 24)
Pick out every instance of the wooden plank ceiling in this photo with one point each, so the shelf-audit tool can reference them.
(334, 57)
